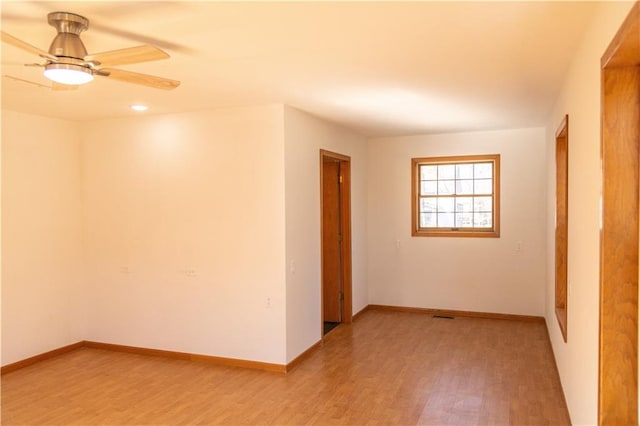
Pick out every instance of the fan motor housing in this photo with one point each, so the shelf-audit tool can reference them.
(69, 26)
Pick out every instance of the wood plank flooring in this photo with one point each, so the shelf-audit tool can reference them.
(388, 368)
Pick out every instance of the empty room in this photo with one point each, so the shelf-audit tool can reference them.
(288, 213)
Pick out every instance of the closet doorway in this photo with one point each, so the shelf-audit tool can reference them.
(335, 215)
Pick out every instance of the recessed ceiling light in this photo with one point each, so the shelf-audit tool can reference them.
(139, 107)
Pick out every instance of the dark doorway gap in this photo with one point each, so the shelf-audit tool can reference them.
(328, 326)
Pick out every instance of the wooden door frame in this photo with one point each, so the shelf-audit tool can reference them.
(562, 226)
(620, 147)
(345, 221)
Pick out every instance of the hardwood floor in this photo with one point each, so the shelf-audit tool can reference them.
(387, 368)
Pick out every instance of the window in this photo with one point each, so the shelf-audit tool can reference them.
(456, 196)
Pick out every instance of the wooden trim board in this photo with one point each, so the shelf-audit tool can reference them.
(562, 225)
(455, 313)
(229, 362)
(241, 363)
(620, 201)
(555, 365)
(358, 314)
(304, 355)
(40, 357)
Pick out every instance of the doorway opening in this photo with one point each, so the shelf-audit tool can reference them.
(335, 224)
(620, 147)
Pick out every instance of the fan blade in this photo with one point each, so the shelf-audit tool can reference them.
(130, 55)
(54, 86)
(16, 42)
(26, 81)
(144, 79)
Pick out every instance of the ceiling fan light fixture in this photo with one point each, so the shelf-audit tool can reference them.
(68, 63)
(68, 74)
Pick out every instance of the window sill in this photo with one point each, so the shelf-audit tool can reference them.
(450, 233)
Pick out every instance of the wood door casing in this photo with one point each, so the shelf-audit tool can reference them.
(620, 148)
(331, 258)
(562, 216)
(346, 308)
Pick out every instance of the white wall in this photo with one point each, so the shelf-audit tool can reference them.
(577, 359)
(184, 230)
(42, 292)
(305, 135)
(471, 274)
(168, 231)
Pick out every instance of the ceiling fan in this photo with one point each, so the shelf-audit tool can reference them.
(68, 64)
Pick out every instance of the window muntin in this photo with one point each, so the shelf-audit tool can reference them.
(456, 196)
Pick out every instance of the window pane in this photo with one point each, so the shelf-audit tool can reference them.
(447, 171)
(483, 204)
(428, 172)
(445, 204)
(446, 187)
(464, 187)
(427, 220)
(464, 171)
(464, 220)
(427, 205)
(483, 186)
(483, 170)
(464, 204)
(429, 187)
(482, 220)
(445, 220)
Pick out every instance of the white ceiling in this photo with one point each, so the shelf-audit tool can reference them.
(381, 68)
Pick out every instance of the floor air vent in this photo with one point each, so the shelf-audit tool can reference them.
(442, 316)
